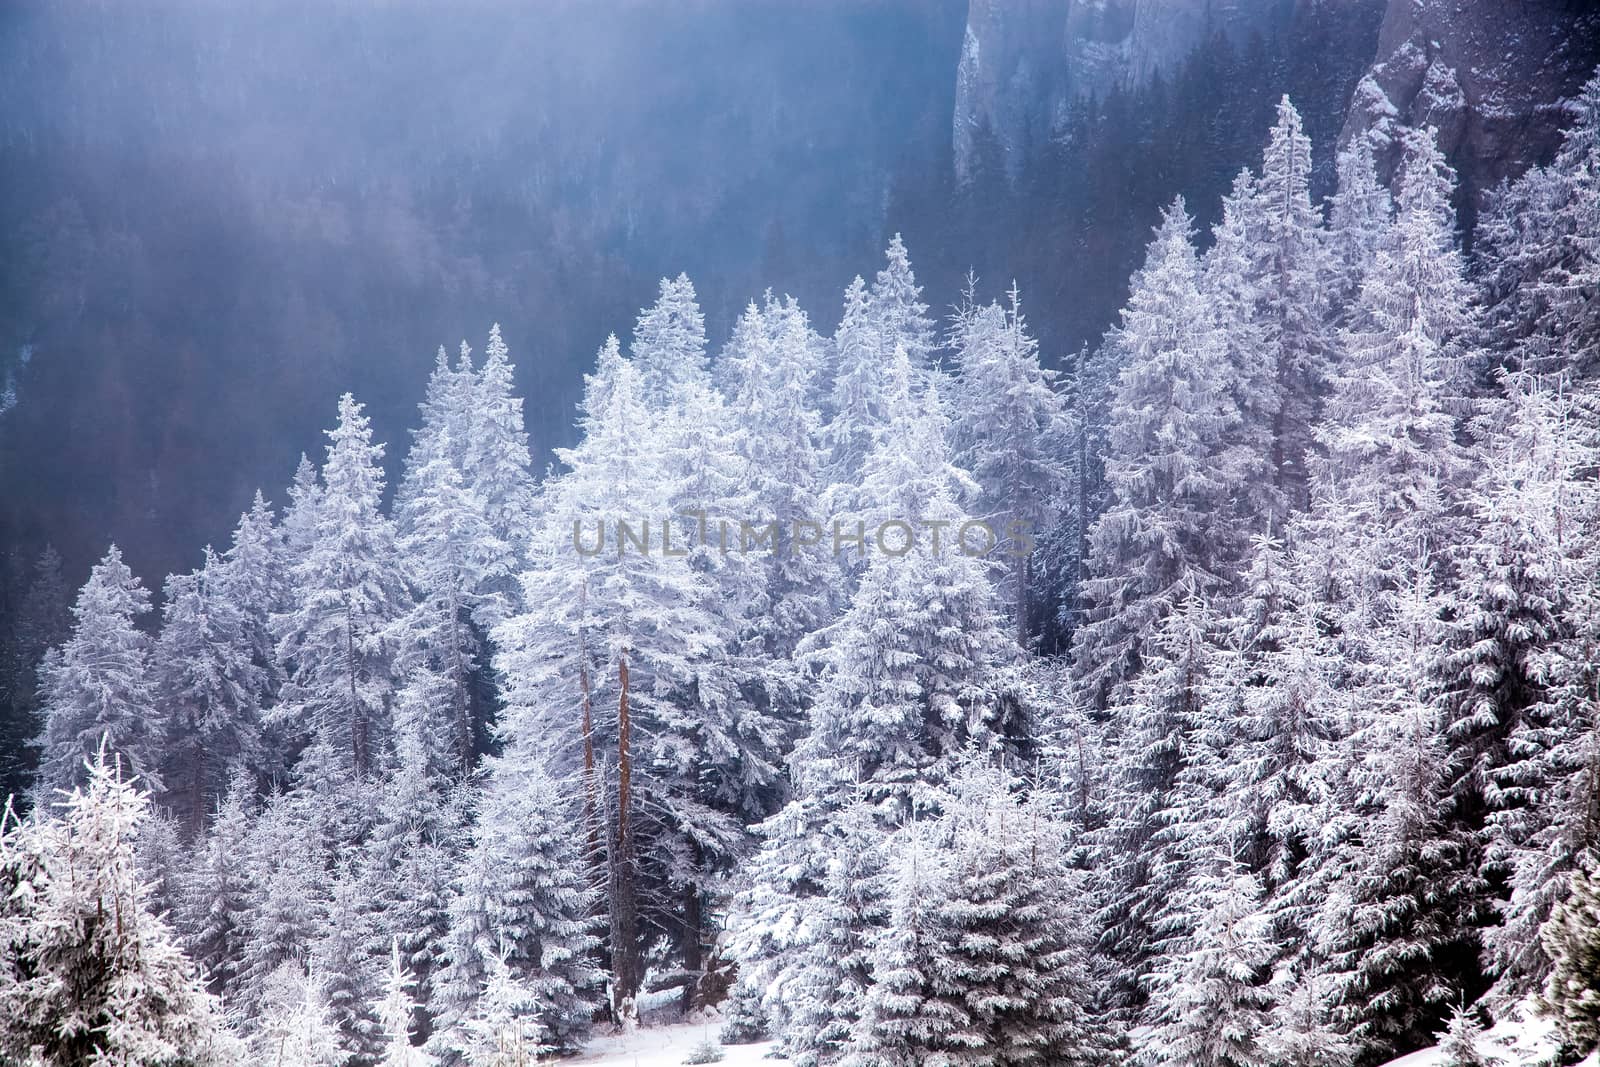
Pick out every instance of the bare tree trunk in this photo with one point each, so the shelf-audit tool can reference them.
(358, 717)
(463, 702)
(590, 808)
(624, 751)
(1022, 602)
(693, 951)
(591, 784)
(626, 967)
(197, 789)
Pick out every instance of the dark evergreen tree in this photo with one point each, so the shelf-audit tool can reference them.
(214, 892)
(209, 685)
(42, 621)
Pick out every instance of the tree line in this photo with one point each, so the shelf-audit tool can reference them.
(1313, 780)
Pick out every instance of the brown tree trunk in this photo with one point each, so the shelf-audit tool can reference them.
(591, 814)
(693, 951)
(626, 966)
(624, 752)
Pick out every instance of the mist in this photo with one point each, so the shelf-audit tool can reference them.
(219, 216)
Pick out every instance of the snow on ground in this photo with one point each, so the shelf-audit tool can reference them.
(1521, 1039)
(666, 1046)
(1428, 1057)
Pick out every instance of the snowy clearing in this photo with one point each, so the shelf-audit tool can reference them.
(1522, 1039)
(666, 1046)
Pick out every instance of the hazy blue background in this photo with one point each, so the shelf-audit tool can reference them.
(215, 216)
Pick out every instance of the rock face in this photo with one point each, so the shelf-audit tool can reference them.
(1489, 74)
(1023, 61)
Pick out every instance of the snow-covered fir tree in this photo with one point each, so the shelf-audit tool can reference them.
(1290, 303)
(88, 973)
(214, 892)
(1142, 852)
(1359, 213)
(669, 345)
(1398, 917)
(522, 904)
(341, 957)
(1571, 938)
(907, 1017)
(446, 427)
(158, 848)
(287, 894)
(396, 1014)
(709, 488)
(1514, 634)
(97, 687)
(1266, 744)
(503, 1030)
(910, 669)
(434, 780)
(348, 592)
(1548, 809)
(1392, 462)
(898, 313)
(294, 1028)
(409, 862)
(983, 959)
(878, 319)
(498, 470)
(209, 685)
(855, 401)
(823, 981)
(1172, 468)
(769, 929)
(618, 671)
(1213, 1001)
(1012, 432)
(1235, 279)
(773, 363)
(300, 517)
(254, 580)
(1302, 1032)
(1540, 252)
(1462, 1044)
(456, 563)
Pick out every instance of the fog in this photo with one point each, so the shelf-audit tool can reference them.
(218, 216)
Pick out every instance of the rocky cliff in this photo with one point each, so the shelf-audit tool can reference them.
(1489, 73)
